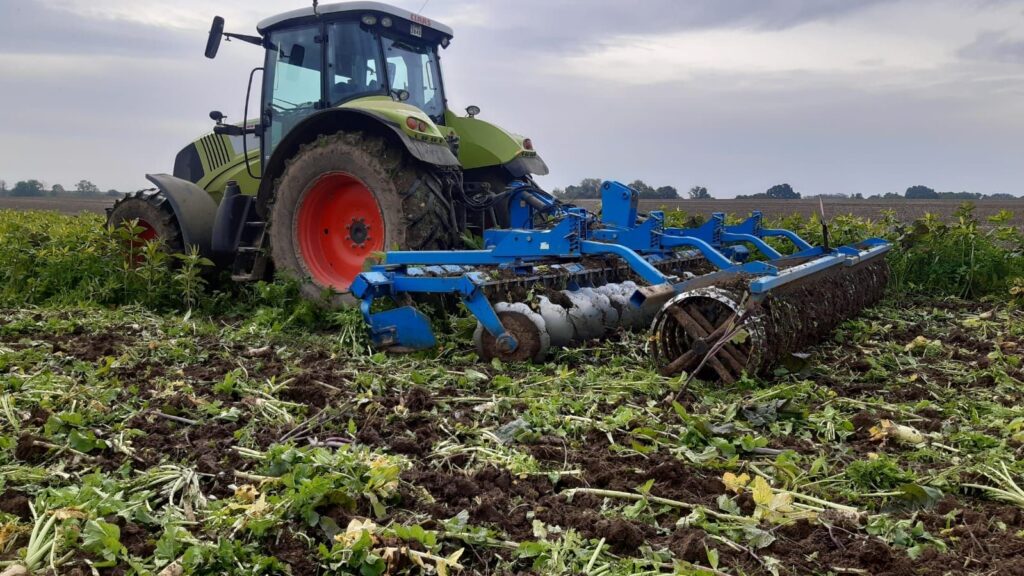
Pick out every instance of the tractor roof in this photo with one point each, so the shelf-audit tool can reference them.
(353, 7)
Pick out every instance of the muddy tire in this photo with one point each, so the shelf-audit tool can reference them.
(154, 214)
(345, 197)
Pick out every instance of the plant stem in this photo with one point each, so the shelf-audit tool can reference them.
(656, 499)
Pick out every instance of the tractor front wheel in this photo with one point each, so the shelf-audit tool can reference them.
(152, 211)
(346, 196)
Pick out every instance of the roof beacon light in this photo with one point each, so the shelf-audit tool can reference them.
(386, 22)
(528, 144)
(369, 19)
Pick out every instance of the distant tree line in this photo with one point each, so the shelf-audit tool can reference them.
(777, 192)
(590, 188)
(920, 192)
(32, 187)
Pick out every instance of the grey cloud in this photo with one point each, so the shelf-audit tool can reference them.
(580, 24)
(37, 28)
(994, 46)
(954, 128)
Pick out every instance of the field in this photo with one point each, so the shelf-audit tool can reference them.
(906, 210)
(153, 424)
(62, 204)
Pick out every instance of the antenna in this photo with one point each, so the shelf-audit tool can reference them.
(316, 11)
(425, 2)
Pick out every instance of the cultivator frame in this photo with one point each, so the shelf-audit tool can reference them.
(595, 259)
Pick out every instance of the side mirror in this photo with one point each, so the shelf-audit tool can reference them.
(213, 41)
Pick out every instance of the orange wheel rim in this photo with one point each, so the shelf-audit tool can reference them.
(339, 225)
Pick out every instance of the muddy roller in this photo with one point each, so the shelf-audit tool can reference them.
(724, 331)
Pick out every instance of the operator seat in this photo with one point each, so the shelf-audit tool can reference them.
(348, 85)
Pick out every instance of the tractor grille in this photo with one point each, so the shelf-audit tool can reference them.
(215, 151)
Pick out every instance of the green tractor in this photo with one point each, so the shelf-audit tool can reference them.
(354, 151)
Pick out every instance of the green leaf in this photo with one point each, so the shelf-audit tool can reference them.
(84, 441)
(102, 538)
(758, 538)
(71, 418)
(728, 505)
(311, 518)
(532, 549)
(645, 488)
(921, 495)
(712, 558)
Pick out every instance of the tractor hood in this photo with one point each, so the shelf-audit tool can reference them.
(483, 144)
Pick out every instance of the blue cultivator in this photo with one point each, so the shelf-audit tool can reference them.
(577, 277)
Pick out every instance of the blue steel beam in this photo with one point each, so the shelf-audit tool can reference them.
(793, 237)
(636, 262)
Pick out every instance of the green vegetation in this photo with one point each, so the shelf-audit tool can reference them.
(158, 421)
(966, 258)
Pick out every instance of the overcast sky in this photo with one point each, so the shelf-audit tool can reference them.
(736, 95)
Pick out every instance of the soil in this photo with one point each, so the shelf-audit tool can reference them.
(293, 552)
(411, 420)
(304, 389)
(207, 445)
(16, 503)
(497, 498)
(30, 449)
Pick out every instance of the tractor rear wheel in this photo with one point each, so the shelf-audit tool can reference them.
(346, 196)
(153, 213)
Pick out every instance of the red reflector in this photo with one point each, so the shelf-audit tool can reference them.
(528, 144)
(422, 127)
(412, 123)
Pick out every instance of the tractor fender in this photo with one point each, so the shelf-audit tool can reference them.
(193, 207)
(335, 120)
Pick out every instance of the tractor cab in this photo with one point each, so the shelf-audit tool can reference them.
(343, 52)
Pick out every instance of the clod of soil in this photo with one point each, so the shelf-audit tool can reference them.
(30, 449)
(16, 503)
